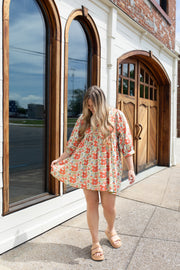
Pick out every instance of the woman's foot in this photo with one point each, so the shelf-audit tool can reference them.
(113, 238)
(97, 252)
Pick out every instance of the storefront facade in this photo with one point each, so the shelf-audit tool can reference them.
(51, 52)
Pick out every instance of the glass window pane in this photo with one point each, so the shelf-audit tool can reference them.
(142, 75)
(78, 80)
(146, 91)
(27, 105)
(132, 87)
(151, 93)
(155, 94)
(125, 70)
(151, 81)
(125, 87)
(120, 85)
(147, 78)
(77, 72)
(120, 69)
(132, 71)
(141, 90)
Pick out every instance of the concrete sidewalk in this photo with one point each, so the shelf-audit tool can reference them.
(148, 221)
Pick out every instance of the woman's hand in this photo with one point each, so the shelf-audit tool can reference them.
(55, 161)
(63, 156)
(131, 176)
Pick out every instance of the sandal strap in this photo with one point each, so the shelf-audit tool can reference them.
(96, 249)
(115, 238)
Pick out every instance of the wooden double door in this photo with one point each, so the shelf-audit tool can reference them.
(138, 99)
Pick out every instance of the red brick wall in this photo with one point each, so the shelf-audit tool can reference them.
(153, 18)
(178, 102)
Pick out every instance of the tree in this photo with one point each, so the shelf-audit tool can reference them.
(76, 103)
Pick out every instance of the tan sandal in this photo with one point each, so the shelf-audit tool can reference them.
(114, 239)
(96, 248)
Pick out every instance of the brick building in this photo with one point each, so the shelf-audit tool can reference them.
(52, 51)
(156, 16)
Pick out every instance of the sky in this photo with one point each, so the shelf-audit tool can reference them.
(178, 20)
(27, 54)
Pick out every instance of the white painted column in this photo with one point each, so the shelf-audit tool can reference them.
(111, 70)
(174, 112)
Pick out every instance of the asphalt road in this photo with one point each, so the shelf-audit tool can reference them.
(27, 165)
(26, 147)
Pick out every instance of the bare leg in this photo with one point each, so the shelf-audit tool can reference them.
(92, 200)
(108, 203)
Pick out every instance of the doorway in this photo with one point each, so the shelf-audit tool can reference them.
(139, 91)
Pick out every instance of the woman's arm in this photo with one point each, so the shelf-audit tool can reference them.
(130, 165)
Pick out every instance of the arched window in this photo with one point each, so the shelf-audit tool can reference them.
(28, 108)
(82, 66)
(78, 75)
(30, 88)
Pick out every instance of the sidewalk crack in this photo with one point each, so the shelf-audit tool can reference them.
(140, 237)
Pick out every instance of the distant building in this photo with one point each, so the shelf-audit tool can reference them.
(35, 111)
(13, 108)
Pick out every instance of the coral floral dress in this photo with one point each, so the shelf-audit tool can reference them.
(92, 164)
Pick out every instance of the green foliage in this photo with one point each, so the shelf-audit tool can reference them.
(76, 103)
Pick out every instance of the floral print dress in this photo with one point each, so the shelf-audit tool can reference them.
(92, 164)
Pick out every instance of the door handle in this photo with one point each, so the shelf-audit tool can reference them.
(139, 131)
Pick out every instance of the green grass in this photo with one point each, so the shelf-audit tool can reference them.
(26, 121)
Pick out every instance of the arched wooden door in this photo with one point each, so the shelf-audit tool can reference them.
(138, 98)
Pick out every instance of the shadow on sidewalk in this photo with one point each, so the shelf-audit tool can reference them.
(47, 252)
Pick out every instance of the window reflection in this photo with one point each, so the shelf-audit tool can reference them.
(125, 87)
(132, 87)
(141, 90)
(78, 79)
(27, 104)
(77, 72)
(132, 71)
(125, 70)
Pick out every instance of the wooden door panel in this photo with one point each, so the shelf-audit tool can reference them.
(138, 99)
(129, 112)
(128, 108)
(142, 143)
(153, 136)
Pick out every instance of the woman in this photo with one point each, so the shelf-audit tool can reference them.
(92, 161)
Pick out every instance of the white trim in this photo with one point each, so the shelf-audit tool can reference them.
(21, 226)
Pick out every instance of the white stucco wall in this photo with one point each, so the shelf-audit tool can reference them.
(118, 35)
(1, 112)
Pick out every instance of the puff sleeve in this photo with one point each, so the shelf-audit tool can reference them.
(124, 135)
(74, 141)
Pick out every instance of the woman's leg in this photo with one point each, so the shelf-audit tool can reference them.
(92, 199)
(108, 203)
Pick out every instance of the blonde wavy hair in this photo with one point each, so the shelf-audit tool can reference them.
(99, 119)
